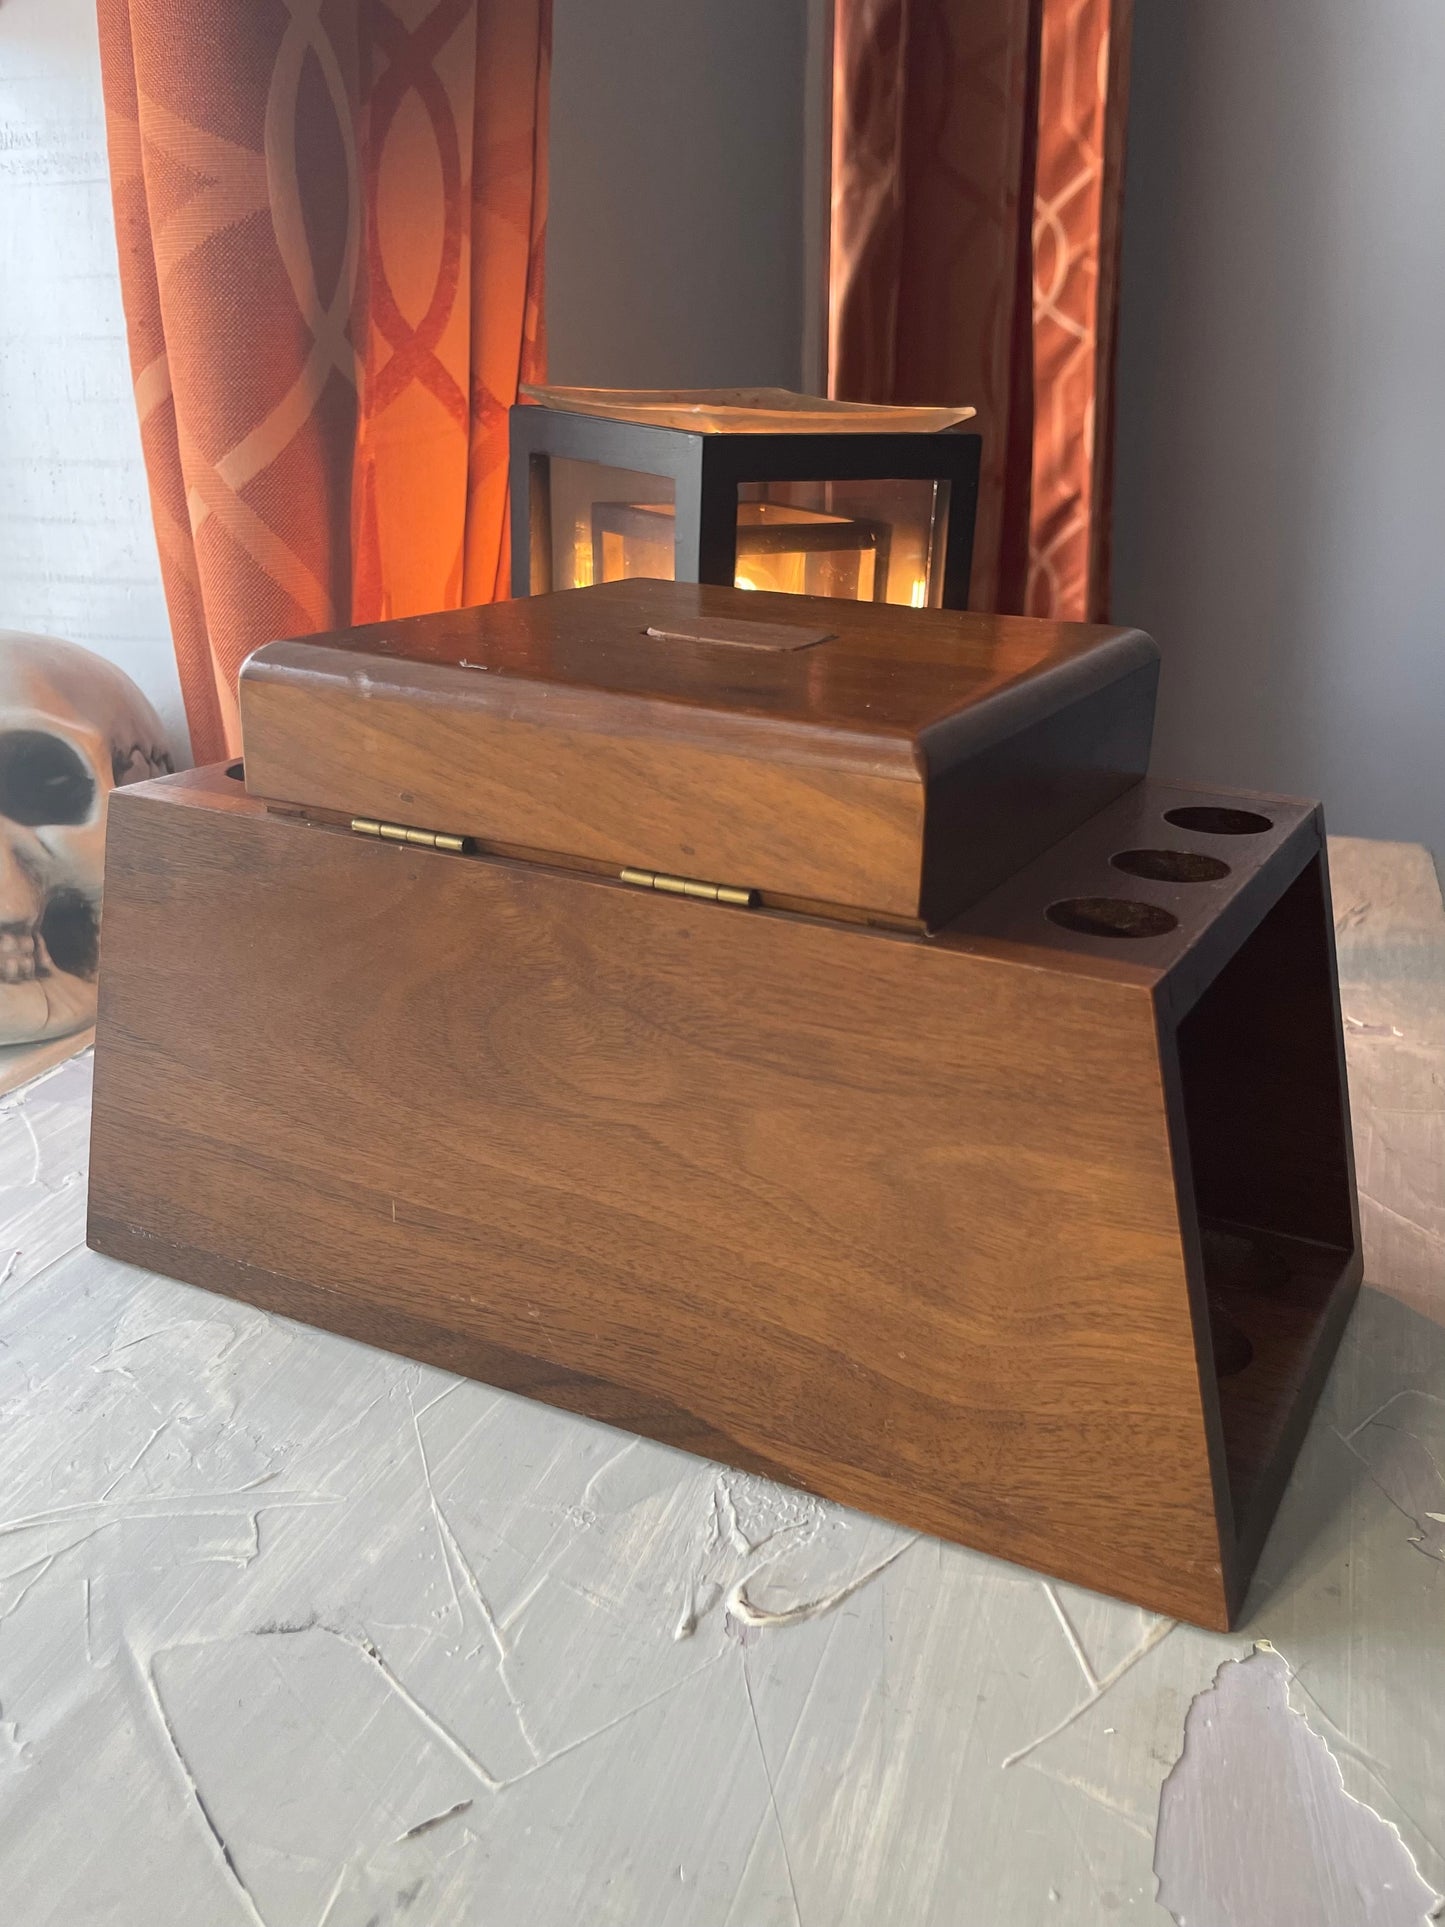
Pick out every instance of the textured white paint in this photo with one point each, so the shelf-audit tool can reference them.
(1404, 1446)
(1391, 931)
(1255, 1824)
(297, 1632)
(77, 551)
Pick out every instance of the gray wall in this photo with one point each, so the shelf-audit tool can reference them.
(678, 192)
(1281, 485)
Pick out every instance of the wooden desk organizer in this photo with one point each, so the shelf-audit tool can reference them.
(1016, 1207)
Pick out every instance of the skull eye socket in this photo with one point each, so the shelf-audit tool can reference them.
(42, 780)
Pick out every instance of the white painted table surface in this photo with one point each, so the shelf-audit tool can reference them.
(296, 1632)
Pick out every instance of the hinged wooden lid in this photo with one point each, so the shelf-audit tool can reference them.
(853, 757)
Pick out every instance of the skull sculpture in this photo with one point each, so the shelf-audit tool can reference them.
(72, 728)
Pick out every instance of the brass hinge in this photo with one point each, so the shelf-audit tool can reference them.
(690, 887)
(399, 833)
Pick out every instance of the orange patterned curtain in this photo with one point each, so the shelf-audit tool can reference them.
(330, 218)
(977, 172)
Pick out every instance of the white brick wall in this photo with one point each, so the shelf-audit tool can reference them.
(77, 553)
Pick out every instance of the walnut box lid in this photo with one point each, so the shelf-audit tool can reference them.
(847, 757)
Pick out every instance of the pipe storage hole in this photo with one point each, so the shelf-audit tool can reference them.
(236, 771)
(1234, 1261)
(1230, 1343)
(1171, 866)
(1215, 821)
(1111, 917)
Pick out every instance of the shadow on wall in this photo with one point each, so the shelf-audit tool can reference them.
(1280, 491)
(678, 188)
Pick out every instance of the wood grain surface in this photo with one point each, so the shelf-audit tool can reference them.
(902, 765)
(893, 1220)
(411, 1640)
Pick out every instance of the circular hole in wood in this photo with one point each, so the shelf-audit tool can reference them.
(1241, 1263)
(1171, 866)
(236, 771)
(1111, 917)
(1215, 821)
(1230, 1343)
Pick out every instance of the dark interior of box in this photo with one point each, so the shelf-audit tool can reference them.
(1268, 1151)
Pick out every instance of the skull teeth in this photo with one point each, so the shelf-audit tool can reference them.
(22, 954)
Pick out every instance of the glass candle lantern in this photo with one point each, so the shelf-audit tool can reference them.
(762, 488)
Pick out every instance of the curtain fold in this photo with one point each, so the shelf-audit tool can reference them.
(977, 176)
(330, 218)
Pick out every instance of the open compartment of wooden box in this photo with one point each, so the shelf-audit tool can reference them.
(1221, 905)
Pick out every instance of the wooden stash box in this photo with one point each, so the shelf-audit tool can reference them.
(795, 1030)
